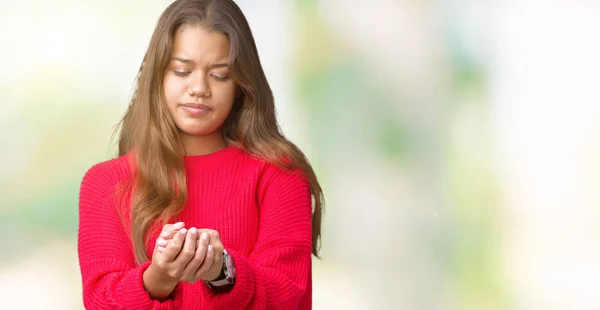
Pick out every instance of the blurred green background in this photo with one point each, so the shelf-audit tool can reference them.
(457, 143)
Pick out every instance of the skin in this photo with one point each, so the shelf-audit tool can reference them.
(199, 73)
(197, 76)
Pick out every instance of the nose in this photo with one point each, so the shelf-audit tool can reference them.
(199, 86)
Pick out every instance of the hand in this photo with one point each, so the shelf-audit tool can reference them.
(211, 270)
(167, 233)
(207, 262)
(169, 262)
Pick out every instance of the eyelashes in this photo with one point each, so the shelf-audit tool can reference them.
(216, 77)
(181, 73)
(219, 78)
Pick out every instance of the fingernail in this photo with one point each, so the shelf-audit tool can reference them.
(204, 236)
(161, 242)
(210, 248)
(193, 230)
(165, 234)
(178, 224)
(183, 231)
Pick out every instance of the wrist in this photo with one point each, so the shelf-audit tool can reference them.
(226, 279)
(158, 285)
(219, 276)
(160, 277)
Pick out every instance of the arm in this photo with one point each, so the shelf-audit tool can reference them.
(111, 279)
(157, 286)
(277, 274)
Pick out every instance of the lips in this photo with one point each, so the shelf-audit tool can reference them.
(196, 106)
(195, 109)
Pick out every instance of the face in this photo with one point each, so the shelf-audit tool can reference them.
(197, 85)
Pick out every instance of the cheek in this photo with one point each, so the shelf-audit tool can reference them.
(226, 95)
(173, 90)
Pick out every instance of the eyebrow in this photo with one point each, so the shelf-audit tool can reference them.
(189, 61)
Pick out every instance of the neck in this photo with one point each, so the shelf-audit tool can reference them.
(202, 145)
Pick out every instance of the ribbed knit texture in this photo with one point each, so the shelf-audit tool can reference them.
(262, 213)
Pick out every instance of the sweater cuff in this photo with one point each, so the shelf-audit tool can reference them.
(241, 293)
(138, 297)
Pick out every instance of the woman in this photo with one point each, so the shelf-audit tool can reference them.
(208, 205)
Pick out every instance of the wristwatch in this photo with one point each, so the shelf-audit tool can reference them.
(224, 282)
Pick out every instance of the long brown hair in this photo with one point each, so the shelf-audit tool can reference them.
(148, 131)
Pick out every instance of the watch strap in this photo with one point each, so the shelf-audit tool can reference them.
(224, 282)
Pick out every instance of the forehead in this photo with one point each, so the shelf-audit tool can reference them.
(200, 45)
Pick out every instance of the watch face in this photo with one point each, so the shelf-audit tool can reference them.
(230, 265)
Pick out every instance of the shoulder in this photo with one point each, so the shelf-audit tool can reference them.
(102, 186)
(282, 181)
(269, 170)
(110, 172)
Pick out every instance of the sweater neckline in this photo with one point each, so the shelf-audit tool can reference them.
(213, 159)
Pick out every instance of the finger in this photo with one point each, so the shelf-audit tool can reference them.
(174, 246)
(162, 243)
(218, 248)
(204, 240)
(194, 264)
(189, 248)
(170, 227)
(207, 263)
(166, 227)
(215, 241)
(169, 230)
(202, 249)
(214, 236)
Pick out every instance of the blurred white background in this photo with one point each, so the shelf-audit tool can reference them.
(457, 142)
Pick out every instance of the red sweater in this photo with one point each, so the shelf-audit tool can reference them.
(262, 213)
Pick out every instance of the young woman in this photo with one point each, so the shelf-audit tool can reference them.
(208, 205)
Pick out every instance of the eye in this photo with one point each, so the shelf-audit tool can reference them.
(219, 78)
(181, 73)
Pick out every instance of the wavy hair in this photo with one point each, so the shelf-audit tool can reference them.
(148, 131)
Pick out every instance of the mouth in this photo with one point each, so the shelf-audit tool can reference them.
(195, 108)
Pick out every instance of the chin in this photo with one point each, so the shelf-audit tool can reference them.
(197, 132)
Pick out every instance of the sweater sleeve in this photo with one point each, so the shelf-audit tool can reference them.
(277, 274)
(111, 279)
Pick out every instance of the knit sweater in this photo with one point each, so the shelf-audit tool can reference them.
(262, 213)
